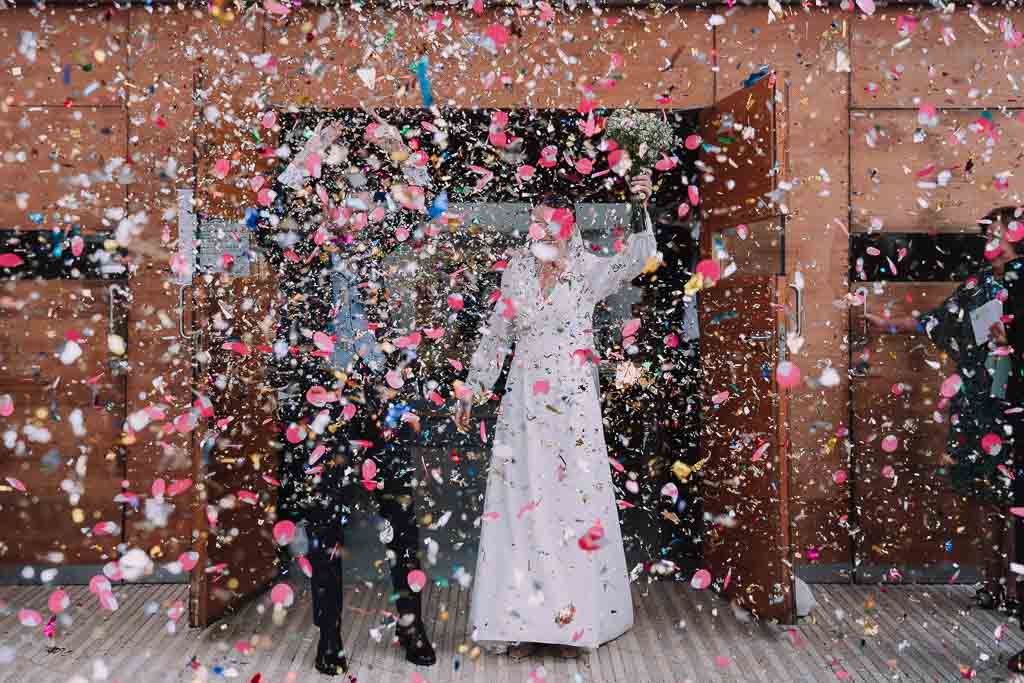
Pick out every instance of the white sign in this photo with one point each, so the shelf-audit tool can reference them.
(186, 237)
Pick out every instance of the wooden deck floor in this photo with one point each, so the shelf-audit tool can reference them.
(921, 633)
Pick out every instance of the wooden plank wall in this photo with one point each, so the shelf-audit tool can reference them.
(162, 69)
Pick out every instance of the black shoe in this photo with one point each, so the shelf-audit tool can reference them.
(418, 649)
(1016, 663)
(330, 659)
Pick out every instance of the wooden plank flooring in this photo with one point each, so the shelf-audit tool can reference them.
(857, 633)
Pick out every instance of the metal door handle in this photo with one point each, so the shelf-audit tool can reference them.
(862, 292)
(181, 314)
(799, 310)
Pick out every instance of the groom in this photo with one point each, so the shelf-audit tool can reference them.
(323, 449)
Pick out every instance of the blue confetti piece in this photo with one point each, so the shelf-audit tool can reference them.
(66, 74)
(424, 81)
(439, 206)
(36, 218)
(755, 77)
(252, 218)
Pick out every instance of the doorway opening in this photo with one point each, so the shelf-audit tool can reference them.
(483, 170)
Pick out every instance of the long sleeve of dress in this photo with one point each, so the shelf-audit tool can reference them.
(490, 354)
(607, 274)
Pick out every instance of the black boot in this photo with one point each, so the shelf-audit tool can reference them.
(416, 643)
(330, 655)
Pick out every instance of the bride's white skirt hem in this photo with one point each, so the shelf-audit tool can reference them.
(499, 643)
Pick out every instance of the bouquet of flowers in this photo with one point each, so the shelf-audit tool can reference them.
(645, 136)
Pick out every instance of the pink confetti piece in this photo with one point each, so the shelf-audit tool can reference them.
(722, 662)
(888, 472)
(840, 477)
(29, 617)
(593, 539)
(295, 433)
(179, 486)
(323, 341)
(950, 386)
(693, 195)
(274, 7)
(221, 168)
(540, 387)
(248, 497)
(77, 246)
(787, 374)
(631, 327)
(58, 601)
(6, 405)
(282, 594)
(369, 469)
(108, 601)
(410, 341)
(237, 347)
(692, 142)
(720, 398)
(100, 584)
(890, 443)
(10, 260)
(188, 560)
(483, 432)
(525, 172)
(349, 411)
(204, 405)
(318, 396)
(709, 270)
(394, 379)
(867, 6)
(670, 490)
(528, 507)
(284, 532)
(491, 516)
(16, 484)
(417, 580)
(701, 579)
(759, 453)
(106, 529)
(305, 565)
(991, 443)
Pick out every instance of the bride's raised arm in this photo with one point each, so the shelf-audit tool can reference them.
(607, 273)
(495, 342)
(294, 176)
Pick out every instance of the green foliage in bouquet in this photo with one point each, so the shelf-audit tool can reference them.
(645, 135)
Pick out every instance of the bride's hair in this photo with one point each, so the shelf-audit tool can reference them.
(555, 201)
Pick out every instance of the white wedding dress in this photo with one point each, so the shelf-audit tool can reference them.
(549, 482)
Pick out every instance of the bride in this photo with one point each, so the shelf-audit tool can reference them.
(551, 568)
